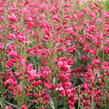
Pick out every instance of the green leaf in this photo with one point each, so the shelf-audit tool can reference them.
(2, 104)
(52, 103)
(6, 102)
(51, 100)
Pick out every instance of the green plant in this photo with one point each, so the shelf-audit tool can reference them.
(106, 5)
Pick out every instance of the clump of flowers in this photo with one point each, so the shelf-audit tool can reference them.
(54, 54)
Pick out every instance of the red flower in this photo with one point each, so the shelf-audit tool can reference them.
(23, 107)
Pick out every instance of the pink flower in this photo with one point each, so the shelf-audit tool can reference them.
(92, 14)
(22, 38)
(31, 72)
(63, 64)
(11, 81)
(86, 86)
(39, 82)
(30, 25)
(26, 10)
(42, 7)
(107, 41)
(63, 77)
(11, 36)
(53, 10)
(67, 84)
(10, 63)
(55, 18)
(42, 108)
(48, 85)
(86, 102)
(2, 46)
(8, 107)
(84, 58)
(59, 87)
(96, 62)
(23, 107)
(14, 54)
(106, 50)
(46, 70)
(71, 49)
(106, 14)
(13, 18)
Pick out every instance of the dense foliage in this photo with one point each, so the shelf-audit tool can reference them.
(54, 54)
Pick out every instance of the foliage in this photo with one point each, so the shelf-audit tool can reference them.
(54, 54)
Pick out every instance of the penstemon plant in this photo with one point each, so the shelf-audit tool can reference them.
(54, 54)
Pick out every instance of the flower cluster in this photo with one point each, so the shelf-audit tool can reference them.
(54, 54)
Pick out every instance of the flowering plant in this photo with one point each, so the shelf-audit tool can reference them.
(54, 54)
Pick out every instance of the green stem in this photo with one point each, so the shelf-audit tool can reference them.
(9, 103)
(92, 103)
